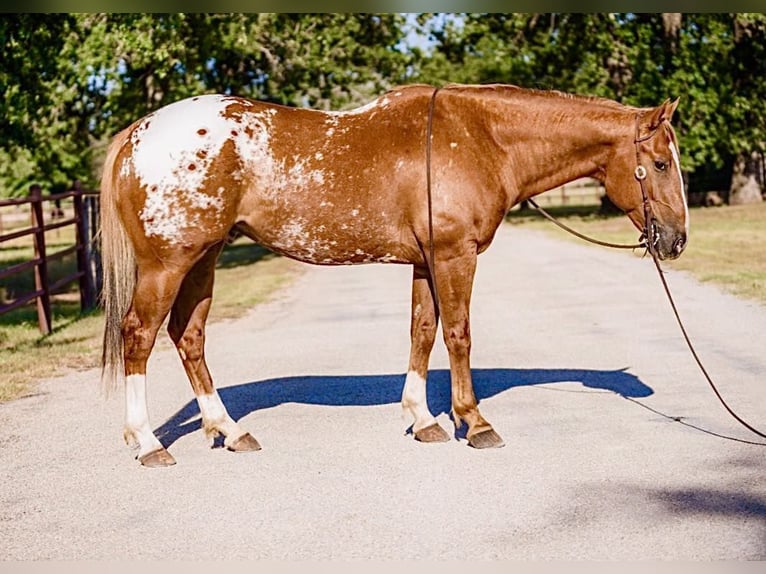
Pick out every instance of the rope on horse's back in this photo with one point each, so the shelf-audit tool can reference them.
(430, 259)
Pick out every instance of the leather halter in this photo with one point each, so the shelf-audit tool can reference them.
(649, 235)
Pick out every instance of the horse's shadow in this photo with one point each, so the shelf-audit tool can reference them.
(367, 390)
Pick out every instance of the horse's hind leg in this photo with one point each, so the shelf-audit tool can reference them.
(422, 334)
(155, 290)
(454, 279)
(187, 330)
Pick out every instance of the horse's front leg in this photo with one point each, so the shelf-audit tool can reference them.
(186, 328)
(422, 335)
(454, 277)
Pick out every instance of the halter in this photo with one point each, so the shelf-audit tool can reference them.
(649, 236)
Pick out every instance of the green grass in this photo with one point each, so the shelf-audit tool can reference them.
(247, 275)
(727, 245)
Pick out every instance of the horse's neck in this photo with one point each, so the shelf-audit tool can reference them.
(552, 141)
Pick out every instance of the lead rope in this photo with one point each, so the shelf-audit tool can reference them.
(694, 353)
(552, 219)
(649, 241)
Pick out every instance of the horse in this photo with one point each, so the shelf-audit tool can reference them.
(419, 176)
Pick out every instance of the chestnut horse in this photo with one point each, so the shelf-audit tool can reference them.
(344, 188)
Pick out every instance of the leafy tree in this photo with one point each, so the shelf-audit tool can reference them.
(70, 81)
(73, 80)
(35, 100)
(714, 62)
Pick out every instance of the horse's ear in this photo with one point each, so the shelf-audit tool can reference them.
(672, 108)
(662, 112)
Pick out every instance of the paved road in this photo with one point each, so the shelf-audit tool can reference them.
(578, 364)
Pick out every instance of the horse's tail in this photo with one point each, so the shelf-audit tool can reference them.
(119, 268)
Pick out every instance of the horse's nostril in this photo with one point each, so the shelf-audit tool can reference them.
(679, 245)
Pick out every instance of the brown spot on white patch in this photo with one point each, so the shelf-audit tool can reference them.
(202, 131)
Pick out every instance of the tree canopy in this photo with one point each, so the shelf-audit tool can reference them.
(714, 62)
(70, 81)
(74, 80)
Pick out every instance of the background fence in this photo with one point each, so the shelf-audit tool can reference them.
(73, 217)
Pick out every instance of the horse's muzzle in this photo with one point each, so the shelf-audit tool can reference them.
(671, 243)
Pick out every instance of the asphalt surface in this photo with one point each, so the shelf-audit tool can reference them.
(578, 364)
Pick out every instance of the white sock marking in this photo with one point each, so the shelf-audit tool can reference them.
(137, 425)
(414, 400)
(216, 419)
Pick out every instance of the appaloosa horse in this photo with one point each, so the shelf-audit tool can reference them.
(342, 188)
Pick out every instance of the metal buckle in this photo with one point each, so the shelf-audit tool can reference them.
(640, 173)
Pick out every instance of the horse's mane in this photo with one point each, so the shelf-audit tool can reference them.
(506, 90)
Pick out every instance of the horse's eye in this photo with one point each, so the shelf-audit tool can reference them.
(660, 165)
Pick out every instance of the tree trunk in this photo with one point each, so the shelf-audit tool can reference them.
(746, 180)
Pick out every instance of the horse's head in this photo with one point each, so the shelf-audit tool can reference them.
(643, 178)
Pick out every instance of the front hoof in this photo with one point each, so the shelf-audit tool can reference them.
(157, 459)
(486, 439)
(245, 443)
(432, 433)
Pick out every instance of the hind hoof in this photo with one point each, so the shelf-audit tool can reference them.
(432, 433)
(486, 439)
(245, 443)
(157, 459)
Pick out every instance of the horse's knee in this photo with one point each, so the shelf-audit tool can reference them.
(457, 338)
(423, 332)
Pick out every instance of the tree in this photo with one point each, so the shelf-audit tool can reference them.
(714, 62)
(34, 102)
(73, 80)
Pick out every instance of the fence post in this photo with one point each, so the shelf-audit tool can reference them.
(87, 297)
(41, 268)
(94, 244)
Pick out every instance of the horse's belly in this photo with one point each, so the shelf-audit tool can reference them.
(327, 239)
(317, 245)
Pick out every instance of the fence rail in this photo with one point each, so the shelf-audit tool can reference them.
(88, 265)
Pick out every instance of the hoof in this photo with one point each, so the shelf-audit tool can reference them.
(486, 439)
(432, 433)
(245, 443)
(157, 459)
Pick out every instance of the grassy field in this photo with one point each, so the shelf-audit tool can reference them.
(727, 245)
(247, 275)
